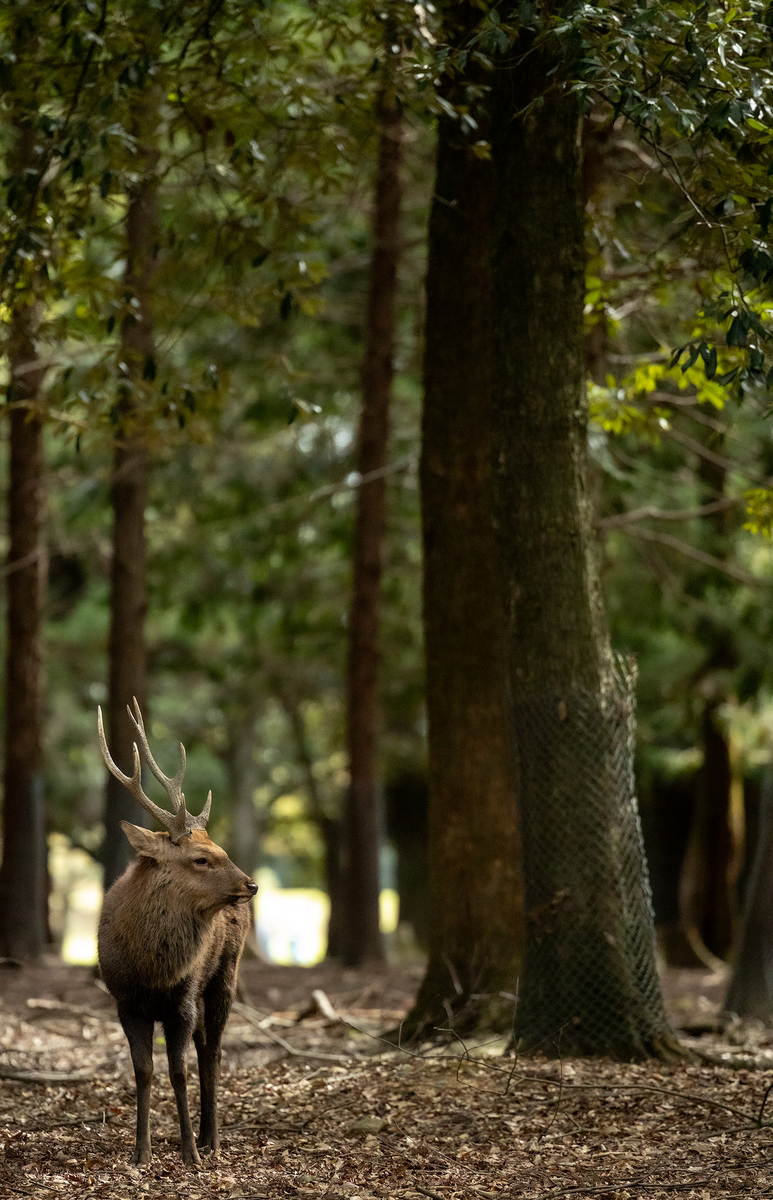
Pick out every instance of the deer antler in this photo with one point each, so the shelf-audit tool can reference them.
(180, 823)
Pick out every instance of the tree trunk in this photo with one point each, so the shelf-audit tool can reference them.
(750, 993)
(245, 838)
(360, 935)
(667, 809)
(246, 833)
(589, 983)
(707, 886)
(23, 877)
(709, 908)
(128, 596)
(474, 851)
(329, 826)
(407, 805)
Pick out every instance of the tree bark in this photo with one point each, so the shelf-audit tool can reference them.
(245, 838)
(329, 826)
(127, 675)
(246, 833)
(474, 845)
(707, 886)
(360, 935)
(407, 804)
(708, 893)
(588, 983)
(750, 992)
(23, 877)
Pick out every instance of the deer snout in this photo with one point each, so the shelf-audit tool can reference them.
(251, 887)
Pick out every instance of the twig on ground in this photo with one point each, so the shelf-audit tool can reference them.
(257, 1021)
(760, 1114)
(102, 1118)
(323, 1004)
(43, 1007)
(49, 1077)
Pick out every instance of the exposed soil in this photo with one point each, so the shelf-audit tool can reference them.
(312, 1107)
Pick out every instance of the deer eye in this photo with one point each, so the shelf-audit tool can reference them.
(201, 862)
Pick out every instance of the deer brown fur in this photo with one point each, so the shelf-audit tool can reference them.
(170, 938)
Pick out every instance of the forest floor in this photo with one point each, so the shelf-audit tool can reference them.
(312, 1107)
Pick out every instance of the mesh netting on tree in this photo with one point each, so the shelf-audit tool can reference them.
(589, 981)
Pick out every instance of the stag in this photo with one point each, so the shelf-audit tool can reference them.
(170, 938)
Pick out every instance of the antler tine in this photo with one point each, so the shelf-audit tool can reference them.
(173, 787)
(203, 817)
(132, 782)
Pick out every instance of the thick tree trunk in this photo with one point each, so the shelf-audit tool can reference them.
(23, 877)
(474, 851)
(128, 596)
(588, 983)
(360, 935)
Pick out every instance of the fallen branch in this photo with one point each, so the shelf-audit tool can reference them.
(258, 1022)
(48, 1077)
(43, 1007)
(102, 1118)
(322, 1002)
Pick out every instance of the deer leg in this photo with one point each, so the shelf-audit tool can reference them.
(139, 1031)
(178, 1037)
(209, 1070)
(207, 1038)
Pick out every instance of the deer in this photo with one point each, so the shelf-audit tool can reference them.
(171, 935)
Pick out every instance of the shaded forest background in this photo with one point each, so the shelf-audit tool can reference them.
(251, 135)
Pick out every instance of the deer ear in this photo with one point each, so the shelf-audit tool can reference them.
(144, 841)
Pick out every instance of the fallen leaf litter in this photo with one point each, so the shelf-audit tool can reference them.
(312, 1107)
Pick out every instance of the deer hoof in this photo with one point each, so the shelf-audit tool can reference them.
(141, 1156)
(191, 1156)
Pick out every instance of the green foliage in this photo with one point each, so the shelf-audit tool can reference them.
(759, 511)
(265, 143)
(265, 147)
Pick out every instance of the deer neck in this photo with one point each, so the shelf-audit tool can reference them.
(164, 937)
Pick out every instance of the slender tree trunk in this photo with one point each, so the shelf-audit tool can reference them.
(750, 993)
(330, 828)
(23, 877)
(407, 804)
(246, 827)
(588, 983)
(474, 845)
(707, 885)
(709, 908)
(128, 593)
(328, 825)
(244, 842)
(360, 934)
